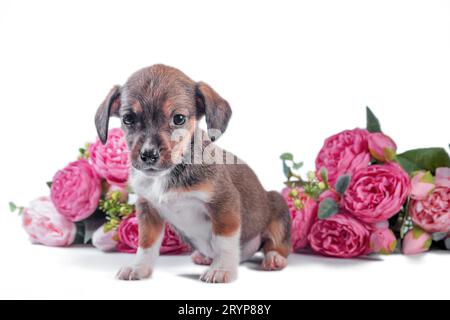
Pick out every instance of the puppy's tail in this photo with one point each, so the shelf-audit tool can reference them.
(278, 234)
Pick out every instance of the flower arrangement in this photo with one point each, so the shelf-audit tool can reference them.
(366, 198)
(90, 203)
(363, 197)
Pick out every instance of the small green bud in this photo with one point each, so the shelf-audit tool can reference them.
(293, 193)
(322, 185)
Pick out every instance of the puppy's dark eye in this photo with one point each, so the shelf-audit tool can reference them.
(129, 119)
(179, 119)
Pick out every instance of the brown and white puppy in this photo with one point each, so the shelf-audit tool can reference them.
(210, 197)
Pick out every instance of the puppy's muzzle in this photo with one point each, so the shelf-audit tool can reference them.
(149, 156)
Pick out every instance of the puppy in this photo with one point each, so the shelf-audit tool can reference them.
(210, 197)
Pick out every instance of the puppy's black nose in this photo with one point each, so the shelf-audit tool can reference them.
(149, 156)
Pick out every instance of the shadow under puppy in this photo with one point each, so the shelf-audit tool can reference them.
(210, 197)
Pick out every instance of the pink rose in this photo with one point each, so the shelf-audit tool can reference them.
(172, 243)
(344, 153)
(76, 190)
(443, 177)
(45, 225)
(382, 147)
(377, 193)
(422, 185)
(416, 241)
(433, 213)
(128, 233)
(303, 216)
(383, 241)
(105, 241)
(340, 236)
(111, 160)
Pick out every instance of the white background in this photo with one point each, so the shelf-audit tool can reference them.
(294, 72)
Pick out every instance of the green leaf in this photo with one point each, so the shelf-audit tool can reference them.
(286, 170)
(407, 165)
(327, 209)
(49, 184)
(417, 232)
(324, 175)
(12, 207)
(287, 156)
(297, 165)
(79, 236)
(373, 124)
(427, 244)
(427, 178)
(428, 159)
(389, 154)
(438, 236)
(342, 184)
(90, 226)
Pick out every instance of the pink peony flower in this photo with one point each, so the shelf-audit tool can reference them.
(111, 160)
(377, 193)
(433, 213)
(416, 241)
(172, 243)
(340, 236)
(105, 241)
(303, 218)
(344, 153)
(443, 177)
(128, 232)
(45, 225)
(383, 241)
(422, 185)
(382, 147)
(76, 190)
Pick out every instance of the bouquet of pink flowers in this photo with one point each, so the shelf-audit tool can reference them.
(365, 198)
(90, 203)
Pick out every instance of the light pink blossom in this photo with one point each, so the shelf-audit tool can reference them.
(45, 225)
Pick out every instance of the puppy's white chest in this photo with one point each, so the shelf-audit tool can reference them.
(185, 210)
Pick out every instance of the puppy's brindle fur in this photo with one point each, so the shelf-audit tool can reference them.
(222, 210)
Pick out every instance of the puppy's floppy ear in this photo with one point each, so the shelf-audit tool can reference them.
(109, 107)
(217, 111)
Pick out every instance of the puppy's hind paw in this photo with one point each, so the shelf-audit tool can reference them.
(200, 259)
(216, 275)
(134, 273)
(274, 261)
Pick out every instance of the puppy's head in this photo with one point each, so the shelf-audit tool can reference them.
(159, 108)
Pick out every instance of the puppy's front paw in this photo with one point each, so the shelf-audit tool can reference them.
(274, 261)
(219, 275)
(134, 273)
